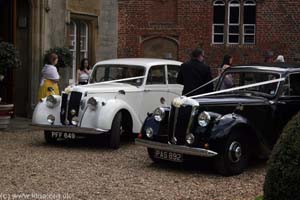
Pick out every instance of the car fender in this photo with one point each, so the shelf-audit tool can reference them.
(224, 125)
(103, 116)
(155, 125)
(42, 111)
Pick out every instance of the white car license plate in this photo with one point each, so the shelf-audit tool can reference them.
(166, 155)
(63, 135)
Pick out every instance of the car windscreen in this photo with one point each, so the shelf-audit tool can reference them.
(232, 79)
(102, 73)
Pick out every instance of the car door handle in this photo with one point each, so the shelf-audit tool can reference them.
(147, 90)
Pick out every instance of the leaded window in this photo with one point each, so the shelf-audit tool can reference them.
(219, 21)
(234, 22)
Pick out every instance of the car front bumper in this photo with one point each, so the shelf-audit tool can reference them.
(176, 148)
(70, 129)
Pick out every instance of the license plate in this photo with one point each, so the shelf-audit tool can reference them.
(63, 135)
(166, 155)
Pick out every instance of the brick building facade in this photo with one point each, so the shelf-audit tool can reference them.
(245, 29)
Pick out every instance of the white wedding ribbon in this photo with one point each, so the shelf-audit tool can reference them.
(239, 88)
(201, 86)
(119, 80)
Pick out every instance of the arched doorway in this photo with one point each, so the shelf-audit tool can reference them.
(160, 47)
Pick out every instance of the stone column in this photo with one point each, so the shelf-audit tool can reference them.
(108, 30)
(36, 50)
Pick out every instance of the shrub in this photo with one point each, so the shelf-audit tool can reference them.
(282, 180)
(9, 57)
(65, 57)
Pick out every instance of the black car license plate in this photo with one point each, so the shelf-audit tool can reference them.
(62, 135)
(166, 155)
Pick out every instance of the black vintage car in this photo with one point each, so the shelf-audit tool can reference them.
(230, 124)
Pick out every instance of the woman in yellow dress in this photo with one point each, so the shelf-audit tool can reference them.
(50, 77)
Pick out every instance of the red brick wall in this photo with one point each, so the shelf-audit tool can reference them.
(277, 29)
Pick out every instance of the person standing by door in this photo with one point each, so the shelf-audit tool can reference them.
(195, 73)
(84, 72)
(50, 77)
(228, 79)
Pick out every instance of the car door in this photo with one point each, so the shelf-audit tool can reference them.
(288, 103)
(155, 92)
(174, 89)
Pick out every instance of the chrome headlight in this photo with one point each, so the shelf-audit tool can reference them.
(51, 119)
(149, 132)
(159, 114)
(51, 101)
(92, 103)
(190, 138)
(75, 121)
(204, 119)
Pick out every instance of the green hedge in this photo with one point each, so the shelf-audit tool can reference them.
(282, 180)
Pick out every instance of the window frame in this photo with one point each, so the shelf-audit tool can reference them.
(217, 24)
(249, 34)
(233, 5)
(164, 75)
(167, 74)
(241, 4)
(91, 22)
(74, 49)
(86, 35)
(247, 3)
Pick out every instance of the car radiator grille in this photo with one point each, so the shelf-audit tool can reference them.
(70, 107)
(63, 108)
(178, 124)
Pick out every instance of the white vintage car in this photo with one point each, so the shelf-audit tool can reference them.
(116, 100)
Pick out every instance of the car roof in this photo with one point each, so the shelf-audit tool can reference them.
(146, 62)
(275, 67)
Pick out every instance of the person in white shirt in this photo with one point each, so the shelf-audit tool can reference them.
(84, 72)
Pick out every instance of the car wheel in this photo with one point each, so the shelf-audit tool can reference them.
(233, 156)
(116, 130)
(151, 155)
(48, 137)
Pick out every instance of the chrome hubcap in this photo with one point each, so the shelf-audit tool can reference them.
(235, 152)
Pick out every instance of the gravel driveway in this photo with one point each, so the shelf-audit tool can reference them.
(31, 169)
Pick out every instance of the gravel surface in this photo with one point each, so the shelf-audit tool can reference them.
(84, 169)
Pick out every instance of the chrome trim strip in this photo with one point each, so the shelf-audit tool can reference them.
(67, 109)
(175, 122)
(188, 130)
(71, 129)
(176, 148)
(117, 80)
